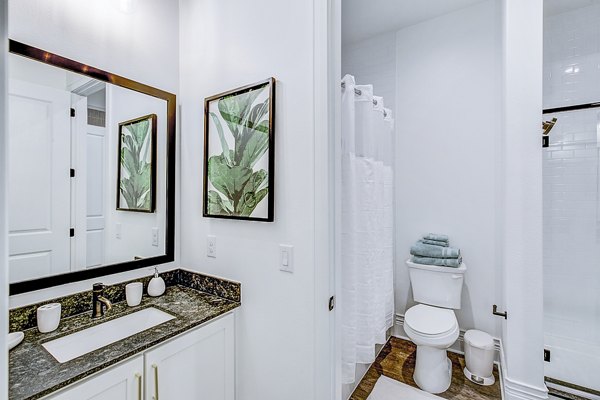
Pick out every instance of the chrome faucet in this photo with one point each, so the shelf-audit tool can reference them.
(99, 302)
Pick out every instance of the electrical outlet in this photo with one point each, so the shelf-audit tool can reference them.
(155, 237)
(211, 246)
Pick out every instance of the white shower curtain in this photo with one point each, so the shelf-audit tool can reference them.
(367, 300)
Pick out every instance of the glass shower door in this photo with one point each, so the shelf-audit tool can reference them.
(571, 216)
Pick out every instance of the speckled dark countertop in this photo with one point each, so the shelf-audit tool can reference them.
(34, 373)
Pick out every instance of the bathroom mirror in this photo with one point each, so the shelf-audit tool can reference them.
(91, 188)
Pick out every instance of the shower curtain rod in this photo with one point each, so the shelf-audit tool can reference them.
(358, 92)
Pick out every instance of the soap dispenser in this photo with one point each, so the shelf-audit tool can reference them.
(156, 287)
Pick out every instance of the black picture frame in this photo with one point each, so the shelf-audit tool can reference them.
(269, 84)
(56, 60)
(152, 207)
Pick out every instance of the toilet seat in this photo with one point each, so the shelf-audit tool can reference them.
(431, 322)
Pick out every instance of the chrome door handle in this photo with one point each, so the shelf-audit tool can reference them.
(139, 381)
(155, 368)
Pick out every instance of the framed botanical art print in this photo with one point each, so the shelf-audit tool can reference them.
(136, 172)
(239, 147)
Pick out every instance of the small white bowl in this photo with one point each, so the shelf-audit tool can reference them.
(14, 339)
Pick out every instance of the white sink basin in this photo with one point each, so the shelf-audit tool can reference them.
(79, 343)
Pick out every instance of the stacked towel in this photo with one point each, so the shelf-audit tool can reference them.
(437, 240)
(429, 250)
(440, 262)
(436, 237)
(435, 249)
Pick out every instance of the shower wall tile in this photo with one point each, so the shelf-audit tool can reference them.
(572, 57)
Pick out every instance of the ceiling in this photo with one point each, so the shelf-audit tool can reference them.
(362, 19)
(554, 7)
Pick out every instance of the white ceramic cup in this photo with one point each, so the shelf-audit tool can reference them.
(48, 317)
(133, 293)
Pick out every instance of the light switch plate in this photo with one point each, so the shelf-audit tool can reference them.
(286, 257)
(118, 230)
(211, 246)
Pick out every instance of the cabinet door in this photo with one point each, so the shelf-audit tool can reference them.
(198, 365)
(122, 382)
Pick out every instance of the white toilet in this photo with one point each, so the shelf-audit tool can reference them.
(432, 325)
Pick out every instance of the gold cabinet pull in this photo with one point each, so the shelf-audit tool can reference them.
(155, 368)
(139, 382)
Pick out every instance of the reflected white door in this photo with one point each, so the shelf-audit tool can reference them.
(39, 181)
(95, 194)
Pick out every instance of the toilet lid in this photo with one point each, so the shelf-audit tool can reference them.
(429, 320)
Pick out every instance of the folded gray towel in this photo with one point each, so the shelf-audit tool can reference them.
(428, 250)
(435, 242)
(436, 236)
(440, 262)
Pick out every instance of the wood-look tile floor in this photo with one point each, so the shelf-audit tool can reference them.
(397, 361)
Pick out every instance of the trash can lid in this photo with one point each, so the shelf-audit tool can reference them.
(479, 339)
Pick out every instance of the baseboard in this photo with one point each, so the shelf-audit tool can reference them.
(515, 390)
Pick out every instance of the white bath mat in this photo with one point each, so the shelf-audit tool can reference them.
(389, 389)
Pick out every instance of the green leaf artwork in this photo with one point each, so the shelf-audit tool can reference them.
(237, 171)
(136, 158)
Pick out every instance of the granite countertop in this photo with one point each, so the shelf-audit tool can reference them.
(34, 373)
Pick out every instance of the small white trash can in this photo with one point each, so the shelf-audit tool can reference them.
(479, 357)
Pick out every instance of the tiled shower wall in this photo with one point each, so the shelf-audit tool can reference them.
(572, 57)
(571, 197)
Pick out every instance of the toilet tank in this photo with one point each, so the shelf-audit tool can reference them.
(436, 286)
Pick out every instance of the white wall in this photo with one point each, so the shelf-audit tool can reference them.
(522, 332)
(225, 45)
(3, 199)
(373, 62)
(448, 130)
(140, 43)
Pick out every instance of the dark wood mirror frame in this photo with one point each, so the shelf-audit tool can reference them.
(43, 56)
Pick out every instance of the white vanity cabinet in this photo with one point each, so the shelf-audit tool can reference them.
(122, 382)
(198, 364)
